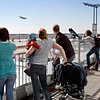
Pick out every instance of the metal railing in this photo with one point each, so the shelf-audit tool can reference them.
(20, 61)
(23, 86)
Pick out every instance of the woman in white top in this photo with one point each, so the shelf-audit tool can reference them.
(88, 40)
(93, 49)
(40, 60)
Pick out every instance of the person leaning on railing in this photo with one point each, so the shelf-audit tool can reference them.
(40, 60)
(7, 65)
(95, 49)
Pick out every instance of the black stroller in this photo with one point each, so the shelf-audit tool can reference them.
(74, 76)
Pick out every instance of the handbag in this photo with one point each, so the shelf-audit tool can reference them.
(27, 71)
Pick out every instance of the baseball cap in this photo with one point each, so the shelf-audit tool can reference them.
(31, 36)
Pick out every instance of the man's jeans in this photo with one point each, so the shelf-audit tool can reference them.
(9, 83)
(96, 51)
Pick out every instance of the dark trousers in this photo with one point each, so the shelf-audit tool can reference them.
(38, 73)
(96, 51)
(54, 65)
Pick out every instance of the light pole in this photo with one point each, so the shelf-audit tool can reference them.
(94, 24)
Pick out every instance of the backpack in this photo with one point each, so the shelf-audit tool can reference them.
(97, 42)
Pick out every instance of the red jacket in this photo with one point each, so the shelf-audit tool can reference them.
(32, 43)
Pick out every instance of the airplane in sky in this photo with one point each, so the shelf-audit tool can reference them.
(22, 17)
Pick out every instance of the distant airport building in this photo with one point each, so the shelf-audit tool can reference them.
(24, 36)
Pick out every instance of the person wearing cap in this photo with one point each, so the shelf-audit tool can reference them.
(40, 60)
(31, 42)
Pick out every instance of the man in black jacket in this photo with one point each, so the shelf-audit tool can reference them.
(64, 41)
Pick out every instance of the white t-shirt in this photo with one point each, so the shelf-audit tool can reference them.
(89, 42)
(41, 55)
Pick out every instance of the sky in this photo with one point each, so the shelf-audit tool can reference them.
(45, 14)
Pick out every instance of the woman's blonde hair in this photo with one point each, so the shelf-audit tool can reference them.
(42, 34)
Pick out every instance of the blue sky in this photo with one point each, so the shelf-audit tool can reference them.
(46, 13)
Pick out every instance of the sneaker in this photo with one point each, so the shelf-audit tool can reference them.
(59, 87)
(93, 68)
(90, 72)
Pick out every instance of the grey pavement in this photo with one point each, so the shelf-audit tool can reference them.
(92, 88)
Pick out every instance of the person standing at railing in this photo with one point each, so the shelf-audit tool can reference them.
(88, 39)
(63, 41)
(7, 65)
(97, 46)
(40, 60)
(94, 45)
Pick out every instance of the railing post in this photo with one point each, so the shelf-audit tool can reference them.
(79, 51)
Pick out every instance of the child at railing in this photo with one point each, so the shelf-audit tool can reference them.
(31, 42)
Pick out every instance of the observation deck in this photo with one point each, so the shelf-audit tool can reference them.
(23, 87)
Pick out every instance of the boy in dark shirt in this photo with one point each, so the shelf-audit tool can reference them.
(63, 41)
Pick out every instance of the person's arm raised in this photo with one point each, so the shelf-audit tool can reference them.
(57, 46)
(30, 51)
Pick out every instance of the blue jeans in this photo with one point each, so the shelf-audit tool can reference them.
(96, 51)
(9, 83)
(38, 76)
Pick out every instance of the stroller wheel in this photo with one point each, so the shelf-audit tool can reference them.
(82, 94)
